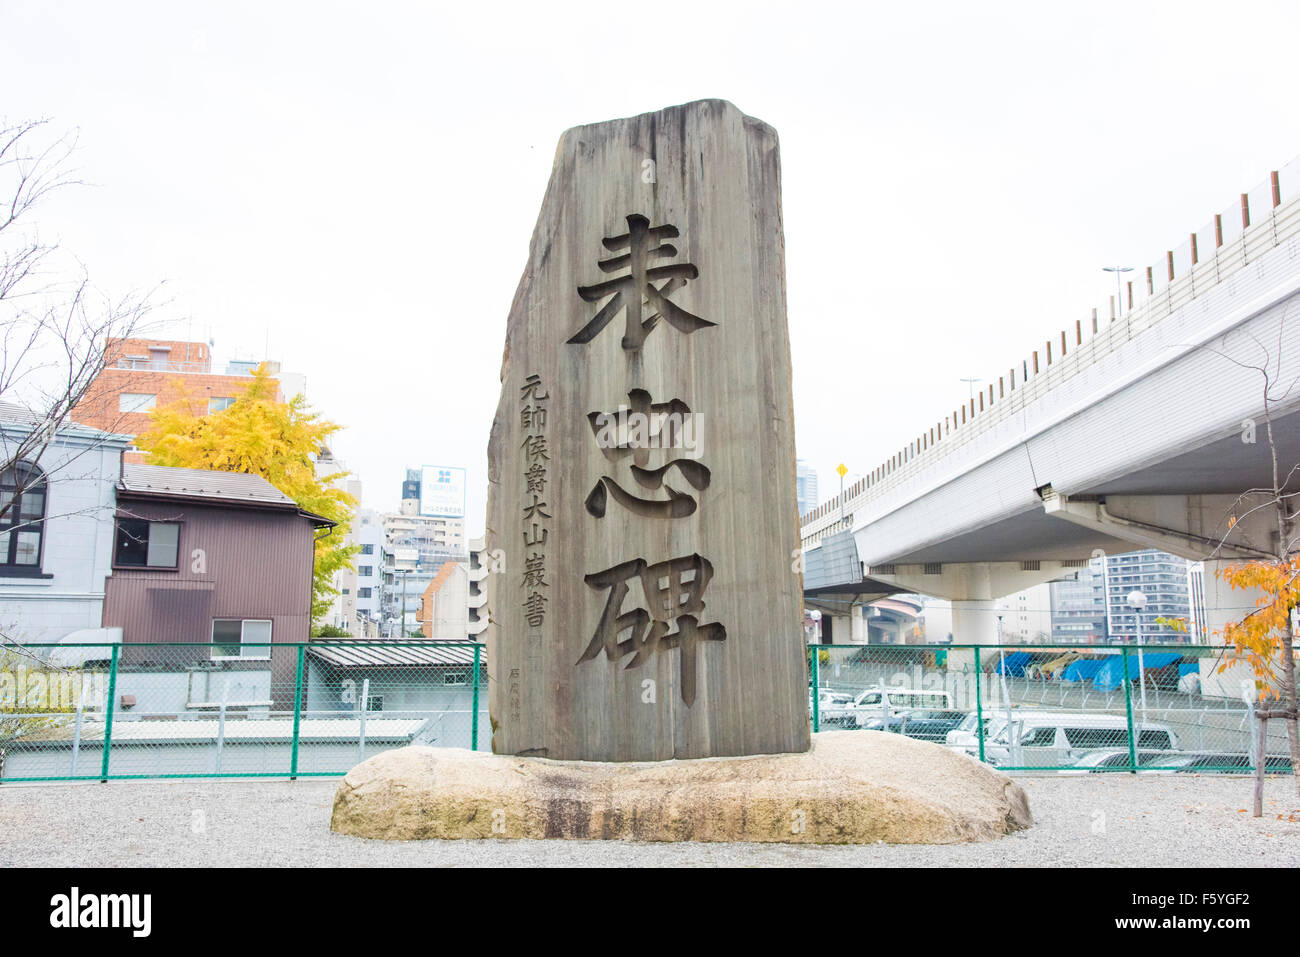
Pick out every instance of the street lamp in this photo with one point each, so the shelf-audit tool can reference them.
(1138, 601)
(1119, 298)
(1012, 735)
(971, 383)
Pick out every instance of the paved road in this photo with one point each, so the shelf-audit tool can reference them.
(1101, 820)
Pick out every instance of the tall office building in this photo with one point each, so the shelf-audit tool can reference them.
(1026, 616)
(1079, 606)
(1163, 579)
(1093, 607)
(368, 528)
(805, 487)
(411, 491)
(426, 534)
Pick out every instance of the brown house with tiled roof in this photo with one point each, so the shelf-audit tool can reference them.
(220, 562)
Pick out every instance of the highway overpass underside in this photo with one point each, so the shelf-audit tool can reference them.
(1190, 504)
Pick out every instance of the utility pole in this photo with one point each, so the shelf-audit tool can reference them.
(404, 571)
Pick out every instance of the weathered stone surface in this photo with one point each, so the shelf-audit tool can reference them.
(853, 787)
(673, 219)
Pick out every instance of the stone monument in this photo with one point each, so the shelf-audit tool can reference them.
(647, 601)
(642, 541)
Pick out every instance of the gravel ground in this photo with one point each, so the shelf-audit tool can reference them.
(1104, 820)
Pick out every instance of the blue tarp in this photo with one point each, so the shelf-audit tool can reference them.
(1014, 664)
(1189, 668)
(1082, 670)
(1108, 676)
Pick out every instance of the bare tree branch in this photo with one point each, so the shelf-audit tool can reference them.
(55, 335)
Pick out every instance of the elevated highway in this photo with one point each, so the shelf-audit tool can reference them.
(1140, 431)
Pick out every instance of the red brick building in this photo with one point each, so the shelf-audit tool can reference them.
(141, 374)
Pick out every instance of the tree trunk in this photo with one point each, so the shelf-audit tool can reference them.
(1289, 702)
(1261, 738)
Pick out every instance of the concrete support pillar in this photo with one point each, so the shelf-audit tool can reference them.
(859, 635)
(836, 629)
(974, 622)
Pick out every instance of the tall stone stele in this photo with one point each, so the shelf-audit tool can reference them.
(645, 591)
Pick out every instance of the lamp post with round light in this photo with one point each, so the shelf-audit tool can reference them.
(1138, 601)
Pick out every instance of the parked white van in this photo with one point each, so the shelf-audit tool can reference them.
(963, 737)
(1045, 738)
(873, 703)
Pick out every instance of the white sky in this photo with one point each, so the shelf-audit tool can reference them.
(357, 183)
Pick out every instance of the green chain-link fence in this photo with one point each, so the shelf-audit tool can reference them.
(176, 710)
(1170, 709)
(98, 712)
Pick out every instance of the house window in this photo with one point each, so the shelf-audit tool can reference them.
(220, 403)
(366, 571)
(363, 592)
(22, 488)
(236, 638)
(144, 544)
(375, 702)
(367, 549)
(136, 401)
(455, 678)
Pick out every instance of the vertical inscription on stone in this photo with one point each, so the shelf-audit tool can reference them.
(532, 419)
(673, 590)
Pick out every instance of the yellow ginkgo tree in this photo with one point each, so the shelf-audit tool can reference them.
(261, 435)
(1263, 640)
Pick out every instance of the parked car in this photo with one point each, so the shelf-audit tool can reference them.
(1233, 764)
(923, 725)
(834, 709)
(878, 702)
(1045, 738)
(963, 737)
(1113, 760)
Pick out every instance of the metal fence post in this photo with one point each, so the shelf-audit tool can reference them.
(108, 713)
(297, 714)
(363, 709)
(979, 702)
(473, 724)
(1128, 711)
(221, 724)
(76, 729)
(1252, 745)
(814, 665)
